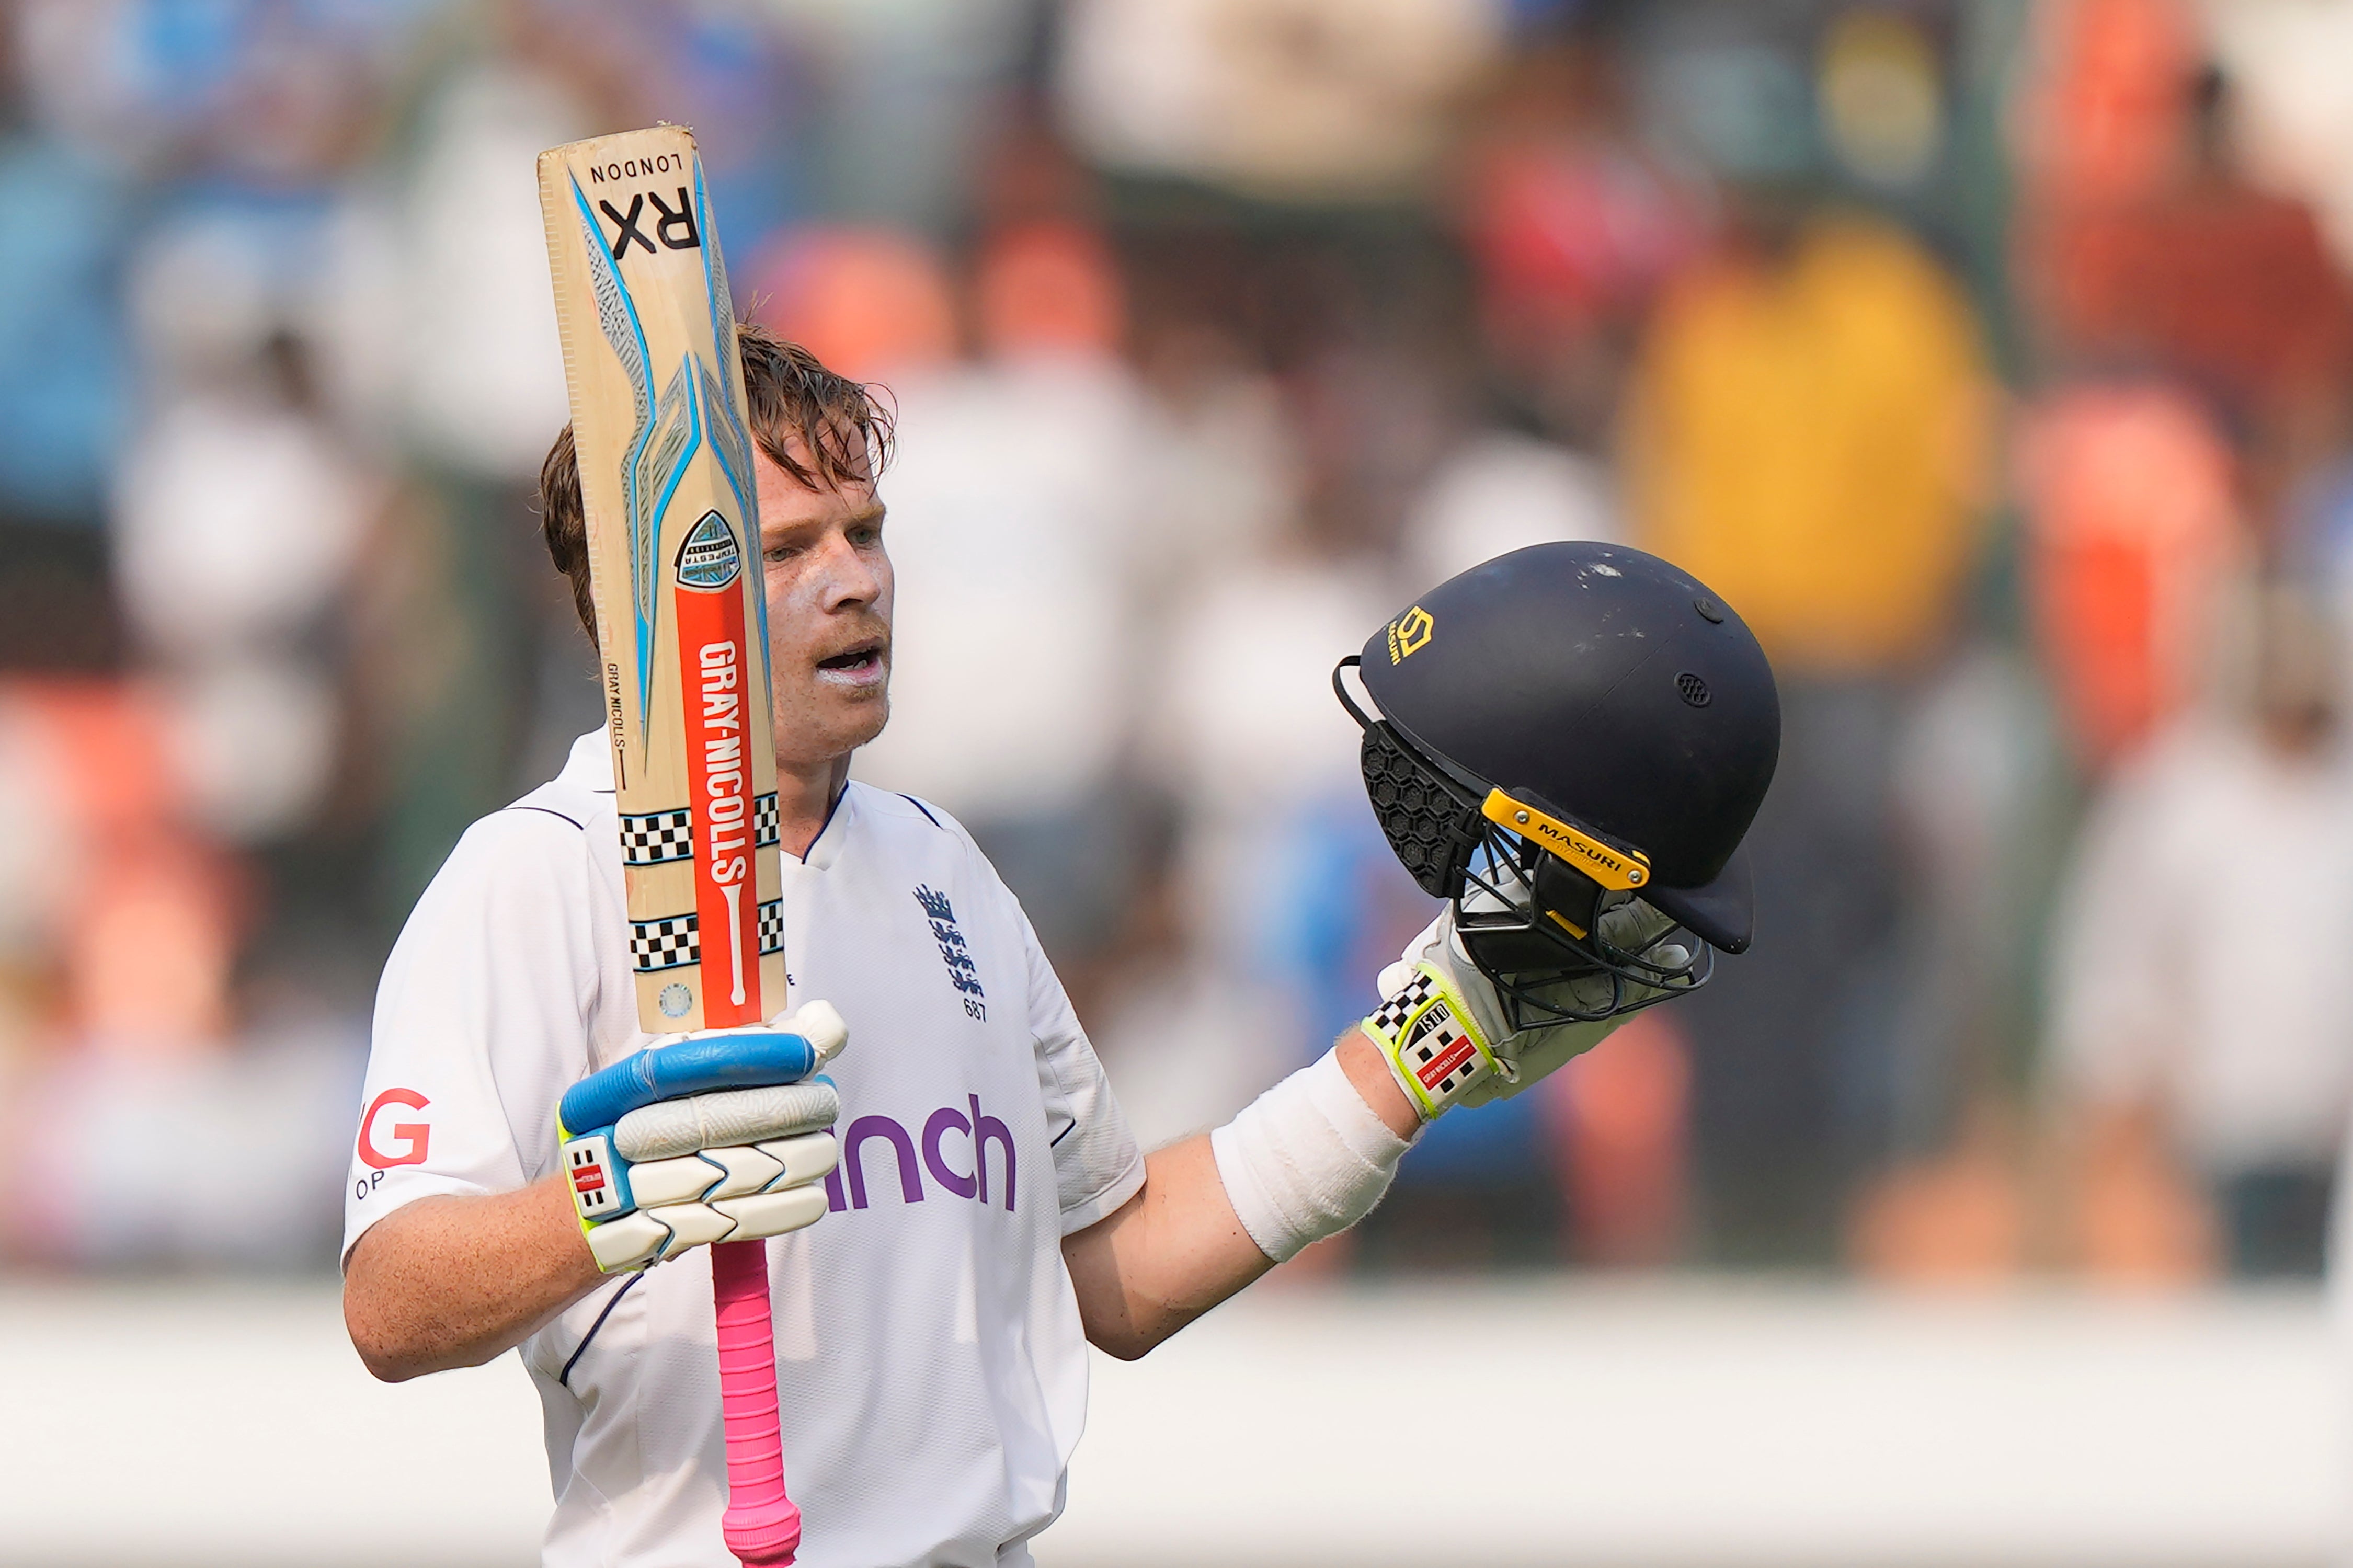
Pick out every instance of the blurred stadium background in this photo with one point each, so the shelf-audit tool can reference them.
(1991, 356)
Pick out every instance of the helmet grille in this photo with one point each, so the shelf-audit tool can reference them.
(1431, 828)
(1693, 690)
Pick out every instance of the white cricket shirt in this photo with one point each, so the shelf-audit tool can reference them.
(930, 1359)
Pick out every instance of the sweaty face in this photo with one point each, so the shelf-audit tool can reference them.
(828, 585)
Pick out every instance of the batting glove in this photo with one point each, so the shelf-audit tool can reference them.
(716, 1135)
(1443, 1030)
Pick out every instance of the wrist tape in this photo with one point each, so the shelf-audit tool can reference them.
(1305, 1160)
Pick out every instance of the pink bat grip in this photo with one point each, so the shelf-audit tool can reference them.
(763, 1526)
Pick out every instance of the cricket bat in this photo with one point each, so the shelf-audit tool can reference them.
(658, 418)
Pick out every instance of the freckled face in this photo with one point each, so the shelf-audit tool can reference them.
(828, 585)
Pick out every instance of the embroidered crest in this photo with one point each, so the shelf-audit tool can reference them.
(963, 973)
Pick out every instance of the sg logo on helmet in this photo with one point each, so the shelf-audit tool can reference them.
(1409, 633)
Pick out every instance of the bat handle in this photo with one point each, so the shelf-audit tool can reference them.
(763, 1526)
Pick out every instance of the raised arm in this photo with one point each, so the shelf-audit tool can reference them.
(1313, 1154)
(1178, 1247)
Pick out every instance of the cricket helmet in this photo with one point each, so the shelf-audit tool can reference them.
(1562, 731)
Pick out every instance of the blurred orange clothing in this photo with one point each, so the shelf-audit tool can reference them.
(2130, 534)
(2230, 285)
(1809, 438)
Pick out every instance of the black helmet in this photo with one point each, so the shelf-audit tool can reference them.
(1562, 729)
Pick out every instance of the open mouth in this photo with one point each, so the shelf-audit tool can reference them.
(865, 660)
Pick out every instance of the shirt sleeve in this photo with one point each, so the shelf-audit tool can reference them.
(1098, 1165)
(482, 1019)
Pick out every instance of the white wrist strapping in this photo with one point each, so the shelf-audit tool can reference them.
(1305, 1160)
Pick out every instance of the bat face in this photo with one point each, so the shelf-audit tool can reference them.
(657, 390)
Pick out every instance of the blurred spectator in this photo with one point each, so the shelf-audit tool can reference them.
(1229, 477)
(1882, 91)
(1015, 532)
(246, 93)
(1375, 413)
(1806, 436)
(1730, 83)
(1501, 491)
(246, 1144)
(133, 915)
(873, 301)
(481, 372)
(62, 385)
(2291, 130)
(1956, 1219)
(1282, 97)
(61, 372)
(449, 261)
(2131, 527)
(2203, 275)
(2099, 116)
(128, 1080)
(729, 72)
(899, 92)
(1287, 895)
(238, 520)
(1163, 1024)
(63, 381)
(1574, 224)
(1620, 1120)
(2199, 1013)
(1980, 804)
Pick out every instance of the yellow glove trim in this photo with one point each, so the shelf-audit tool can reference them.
(1431, 1043)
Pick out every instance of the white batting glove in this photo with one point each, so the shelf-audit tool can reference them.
(718, 1135)
(1443, 1030)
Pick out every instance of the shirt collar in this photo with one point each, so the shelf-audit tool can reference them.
(827, 848)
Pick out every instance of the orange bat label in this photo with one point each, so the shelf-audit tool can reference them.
(712, 659)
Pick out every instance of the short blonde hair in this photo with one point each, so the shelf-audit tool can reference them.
(843, 431)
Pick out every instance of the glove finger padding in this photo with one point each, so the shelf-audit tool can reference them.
(712, 1136)
(763, 1215)
(711, 1174)
(731, 1116)
(717, 1195)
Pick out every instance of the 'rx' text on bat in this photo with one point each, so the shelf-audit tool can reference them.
(675, 229)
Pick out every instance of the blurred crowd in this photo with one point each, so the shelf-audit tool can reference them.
(1991, 357)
